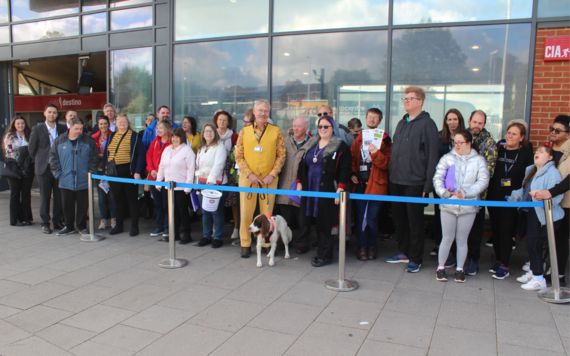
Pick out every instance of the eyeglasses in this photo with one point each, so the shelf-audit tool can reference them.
(556, 131)
(323, 113)
(374, 117)
(321, 127)
(405, 100)
(208, 132)
(459, 143)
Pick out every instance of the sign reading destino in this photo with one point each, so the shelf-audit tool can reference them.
(557, 48)
(94, 101)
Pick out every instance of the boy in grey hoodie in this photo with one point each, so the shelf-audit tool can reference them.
(415, 153)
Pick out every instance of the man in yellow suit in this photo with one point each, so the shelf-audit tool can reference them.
(260, 154)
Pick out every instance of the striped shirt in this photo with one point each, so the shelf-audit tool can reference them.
(123, 154)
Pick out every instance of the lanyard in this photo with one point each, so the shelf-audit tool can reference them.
(517, 156)
(52, 137)
(20, 139)
(191, 141)
(259, 137)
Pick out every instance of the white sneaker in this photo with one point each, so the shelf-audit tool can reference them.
(526, 266)
(527, 277)
(235, 234)
(534, 284)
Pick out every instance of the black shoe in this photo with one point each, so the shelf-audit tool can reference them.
(116, 230)
(460, 276)
(157, 232)
(65, 231)
(313, 259)
(217, 243)
(84, 232)
(46, 229)
(441, 275)
(320, 262)
(204, 242)
(134, 232)
(28, 223)
(245, 252)
(58, 226)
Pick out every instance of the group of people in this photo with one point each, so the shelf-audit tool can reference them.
(459, 162)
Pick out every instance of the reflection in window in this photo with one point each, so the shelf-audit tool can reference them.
(343, 70)
(467, 68)
(131, 83)
(553, 8)
(4, 34)
(90, 5)
(419, 11)
(94, 23)
(117, 3)
(131, 18)
(34, 9)
(298, 15)
(44, 30)
(4, 11)
(206, 18)
(227, 75)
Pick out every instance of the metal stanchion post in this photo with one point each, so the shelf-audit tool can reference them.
(91, 237)
(341, 284)
(172, 261)
(554, 294)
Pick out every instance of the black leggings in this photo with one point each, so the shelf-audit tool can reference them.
(561, 236)
(125, 195)
(536, 237)
(504, 227)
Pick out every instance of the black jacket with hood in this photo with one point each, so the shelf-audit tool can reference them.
(415, 152)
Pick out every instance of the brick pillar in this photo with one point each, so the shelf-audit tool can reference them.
(551, 88)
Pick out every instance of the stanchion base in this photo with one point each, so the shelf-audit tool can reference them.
(548, 295)
(92, 238)
(173, 263)
(341, 286)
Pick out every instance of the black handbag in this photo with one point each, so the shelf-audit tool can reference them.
(364, 176)
(10, 170)
(111, 165)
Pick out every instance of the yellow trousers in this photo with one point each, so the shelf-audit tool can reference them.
(247, 207)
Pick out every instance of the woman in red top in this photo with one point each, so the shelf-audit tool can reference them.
(100, 138)
(153, 155)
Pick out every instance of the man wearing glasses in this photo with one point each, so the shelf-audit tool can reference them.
(559, 134)
(487, 149)
(414, 156)
(260, 155)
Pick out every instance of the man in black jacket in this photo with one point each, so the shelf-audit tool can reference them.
(415, 153)
(41, 140)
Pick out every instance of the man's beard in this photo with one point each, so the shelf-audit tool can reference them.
(475, 134)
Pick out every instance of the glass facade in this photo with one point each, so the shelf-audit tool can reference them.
(130, 83)
(90, 5)
(131, 18)
(118, 3)
(553, 8)
(206, 18)
(34, 9)
(4, 11)
(94, 23)
(44, 30)
(227, 75)
(4, 34)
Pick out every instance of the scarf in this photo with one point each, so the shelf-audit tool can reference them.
(227, 139)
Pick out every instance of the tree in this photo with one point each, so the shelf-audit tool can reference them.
(52, 34)
(132, 89)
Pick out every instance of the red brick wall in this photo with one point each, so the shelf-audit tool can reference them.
(551, 88)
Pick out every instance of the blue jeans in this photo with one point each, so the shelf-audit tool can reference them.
(102, 202)
(369, 236)
(215, 219)
(160, 207)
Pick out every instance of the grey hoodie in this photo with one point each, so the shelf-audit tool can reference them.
(415, 152)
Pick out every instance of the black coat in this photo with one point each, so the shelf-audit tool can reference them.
(39, 146)
(334, 171)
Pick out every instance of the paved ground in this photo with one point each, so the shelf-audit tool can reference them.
(59, 296)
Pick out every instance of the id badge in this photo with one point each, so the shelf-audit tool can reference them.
(258, 149)
(363, 168)
(506, 182)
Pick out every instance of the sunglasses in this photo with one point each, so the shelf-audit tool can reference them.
(556, 131)
(323, 113)
(321, 127)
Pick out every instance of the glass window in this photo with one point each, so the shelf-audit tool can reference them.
(4, 11)
(90, 5)
(94, 23)
(298, 15)
(343, 70)
(131, 18)
(43, 30)
(553, 8)
(206, 18)
(131, 83)
(117, 3)
(33, 9)
(4, 34)
(420, 11)
(226, 75)
(466, 68)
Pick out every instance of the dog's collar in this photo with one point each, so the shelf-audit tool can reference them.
(268, 237)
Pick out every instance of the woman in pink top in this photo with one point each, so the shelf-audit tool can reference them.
(177, 165)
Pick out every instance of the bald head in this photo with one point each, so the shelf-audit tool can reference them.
(325, 110)
(300, 128)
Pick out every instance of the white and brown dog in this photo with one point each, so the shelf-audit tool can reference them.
(269, 229)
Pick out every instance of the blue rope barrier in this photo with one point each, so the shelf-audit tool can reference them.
(390, 198)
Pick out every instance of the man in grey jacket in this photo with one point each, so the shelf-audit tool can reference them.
(415, 153)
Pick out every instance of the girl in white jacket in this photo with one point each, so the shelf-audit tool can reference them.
(210, 164)
(471, 179)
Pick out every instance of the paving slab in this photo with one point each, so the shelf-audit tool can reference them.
(379, 348)
(37, 318)
(466, 315)
(34, 295)
(65, 337)
(82, 298)
(139, 298)
(127, 338)
(91, 348)
(32, 346)
(252, 341)
(353, 313)
(98, 318)
(414, 302)
(286, 317)
(454, 341)
(529, 335)
(158, 319)
(403, 329)
(309, 293)
(228, 314)
(327, 339)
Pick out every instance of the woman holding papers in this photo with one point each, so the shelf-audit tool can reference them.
(460, 174)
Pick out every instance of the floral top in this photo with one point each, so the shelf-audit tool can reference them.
(279, 160)
(12, 142)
